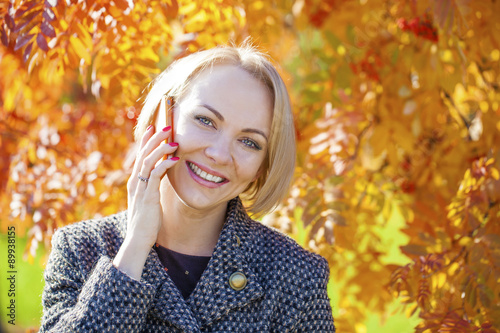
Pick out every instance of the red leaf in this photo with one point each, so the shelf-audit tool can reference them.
(21, 26)
(10, 22)
(47, 29)
(27, 6)
(22, 40)
(49, 15)
(42, 43)
(27, 20)
(27, 52)
(3, 34)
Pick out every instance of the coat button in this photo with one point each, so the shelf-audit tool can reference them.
(237, 281)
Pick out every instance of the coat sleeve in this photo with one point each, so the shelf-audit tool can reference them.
(106, 300)
(317, 313)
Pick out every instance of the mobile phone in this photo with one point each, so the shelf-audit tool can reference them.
(166, 118)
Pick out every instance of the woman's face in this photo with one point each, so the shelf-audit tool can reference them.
(222, 125)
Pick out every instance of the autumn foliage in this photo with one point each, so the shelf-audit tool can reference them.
(397, 115)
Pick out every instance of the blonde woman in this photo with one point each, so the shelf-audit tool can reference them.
(185, 256)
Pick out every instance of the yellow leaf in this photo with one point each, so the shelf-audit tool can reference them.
(494, 173)
(32, 154)
(80, 49)
(84, 36)
(451, 213)
(439, 280)
(465, 241)
(360, 328)
(148, 53)
(453, 268)
(411, 310)
(188, 8)
(197, 22)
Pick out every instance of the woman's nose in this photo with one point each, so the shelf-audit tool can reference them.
(219, 151)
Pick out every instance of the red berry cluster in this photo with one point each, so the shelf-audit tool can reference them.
(421, 27)
(368, 65)
(408, 186)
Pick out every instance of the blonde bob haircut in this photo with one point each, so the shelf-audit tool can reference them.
(271, 186)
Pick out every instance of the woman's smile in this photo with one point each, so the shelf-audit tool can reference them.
(205, 176)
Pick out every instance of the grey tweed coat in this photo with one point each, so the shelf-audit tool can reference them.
(285, 291)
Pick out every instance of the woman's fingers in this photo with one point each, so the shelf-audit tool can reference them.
(149, 163)
(132, 182)
(149, 141)
(157, 173)
(154, 141)
(146, 136)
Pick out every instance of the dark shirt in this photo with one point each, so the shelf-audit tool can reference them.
(184, 270)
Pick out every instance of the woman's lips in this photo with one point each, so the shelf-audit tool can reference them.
(204, 176)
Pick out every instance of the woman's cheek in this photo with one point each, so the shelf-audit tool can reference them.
(251, 160)
(192, 139)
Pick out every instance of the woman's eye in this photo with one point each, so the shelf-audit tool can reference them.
(251, 144)
(205, 121)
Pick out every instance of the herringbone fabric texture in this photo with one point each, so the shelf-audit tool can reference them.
(285, 291)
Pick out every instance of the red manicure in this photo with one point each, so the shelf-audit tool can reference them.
(175, 158)
(149, 127)
(167, 128)
(173, 144)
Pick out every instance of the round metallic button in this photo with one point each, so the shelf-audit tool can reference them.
(237, 281)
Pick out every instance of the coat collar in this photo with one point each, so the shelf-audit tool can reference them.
(213, 297)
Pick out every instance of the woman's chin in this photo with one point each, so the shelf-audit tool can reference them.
(189, 198)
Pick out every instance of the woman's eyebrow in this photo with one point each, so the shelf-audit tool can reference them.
(215, 112)
(221, 118)
(253, 130)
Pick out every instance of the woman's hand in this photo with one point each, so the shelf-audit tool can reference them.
(144, 207)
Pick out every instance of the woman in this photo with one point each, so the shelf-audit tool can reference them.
(185, 256)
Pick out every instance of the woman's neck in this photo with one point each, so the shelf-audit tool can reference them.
(187, 230)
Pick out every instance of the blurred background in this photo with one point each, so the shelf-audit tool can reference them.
(398, 126)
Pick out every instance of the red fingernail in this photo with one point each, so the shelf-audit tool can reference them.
(149, 127)
(173, 144)
(167, 128)
(175, 158)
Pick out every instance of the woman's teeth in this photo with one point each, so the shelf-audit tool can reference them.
(204, 175)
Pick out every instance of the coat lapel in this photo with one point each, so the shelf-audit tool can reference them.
(213, 297)
(168, 305)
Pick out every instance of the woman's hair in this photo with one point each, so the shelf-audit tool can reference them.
(271, 186)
